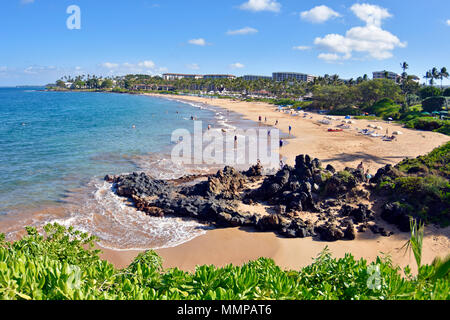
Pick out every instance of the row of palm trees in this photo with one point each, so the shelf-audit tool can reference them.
(436, 74)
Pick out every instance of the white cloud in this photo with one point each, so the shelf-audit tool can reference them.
(142, 67)
(319, 14)
(193, 66)
(147, 64)
(448, 22)
(246, 30)
(329, 57)
(261, 5)
(39, 69)
(237, 65)
(370, 39)
(198, 42)
(301, 48)
(110, 65)
(371, 14)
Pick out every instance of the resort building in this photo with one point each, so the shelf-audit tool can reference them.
(219, 76)
(283, 76)
(153, 87)
(254, 78)
(178, 76)
(385, 75)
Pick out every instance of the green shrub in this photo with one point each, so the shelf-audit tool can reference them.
(346, 111)
(346, 177)
(437, 162)
(428, 124)
(434, 104)
(385, 108)
(429, 91)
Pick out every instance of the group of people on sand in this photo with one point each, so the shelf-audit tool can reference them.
(360, 167)
(276, 124)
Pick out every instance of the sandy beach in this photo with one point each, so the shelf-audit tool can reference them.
(341, 149)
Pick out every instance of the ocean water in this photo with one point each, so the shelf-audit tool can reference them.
(55, 148)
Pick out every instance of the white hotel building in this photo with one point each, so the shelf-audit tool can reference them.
(178, 76)
(382, 75)
(283, 76)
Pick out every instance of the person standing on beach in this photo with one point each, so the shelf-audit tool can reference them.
(361, 167)
(276, 122)
(281, 143)
(290, 129)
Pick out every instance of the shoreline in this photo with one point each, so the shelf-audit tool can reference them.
(341, 149)
(239, 245)
(220, 247)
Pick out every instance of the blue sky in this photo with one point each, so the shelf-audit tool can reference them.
(349, 38)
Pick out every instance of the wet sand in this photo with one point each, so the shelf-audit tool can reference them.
(341, 149)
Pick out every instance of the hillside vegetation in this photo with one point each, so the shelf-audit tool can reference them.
(420, 187)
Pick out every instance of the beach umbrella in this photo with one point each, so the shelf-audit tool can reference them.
(426, 113)
(348, 117)
(299, 108)
(390, 119)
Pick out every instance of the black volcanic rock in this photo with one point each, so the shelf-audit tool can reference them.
(395, 213)
(360, 214)
(219, 200)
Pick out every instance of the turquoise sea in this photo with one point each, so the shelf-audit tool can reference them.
(55, 148)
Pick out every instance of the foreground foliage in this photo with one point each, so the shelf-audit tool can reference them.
(63, 265)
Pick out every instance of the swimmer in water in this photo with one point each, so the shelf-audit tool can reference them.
(133, 126)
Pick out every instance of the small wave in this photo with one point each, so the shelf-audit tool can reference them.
(120, 226)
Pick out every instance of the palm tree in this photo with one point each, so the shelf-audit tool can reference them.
(429, 75)
(404, 66)
(435, 73)
(443, 74)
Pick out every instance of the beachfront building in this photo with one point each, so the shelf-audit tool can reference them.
(385, 75)
(286, 76)
(254, 78)
(179, 76)
(153, 87)
(219, 76)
